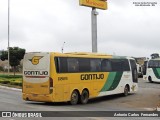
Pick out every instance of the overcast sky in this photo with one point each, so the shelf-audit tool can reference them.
(44, 25)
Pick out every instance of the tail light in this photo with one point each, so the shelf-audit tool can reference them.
(51, 85)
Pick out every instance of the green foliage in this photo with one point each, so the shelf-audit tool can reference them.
(4, 81)
(4, 55)
(1, 68)
(11, 80)
(10, 76)
(18, 83)
(16, 55)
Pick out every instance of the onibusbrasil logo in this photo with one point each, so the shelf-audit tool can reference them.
(35, 60)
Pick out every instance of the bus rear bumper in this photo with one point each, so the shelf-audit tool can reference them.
(37, 97)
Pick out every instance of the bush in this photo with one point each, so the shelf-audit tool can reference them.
(1, 68)
(11, 80)
(4, 81)
(10, 76)
(18, 83)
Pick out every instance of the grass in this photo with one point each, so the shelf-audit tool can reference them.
(11, 80)
(10, 76)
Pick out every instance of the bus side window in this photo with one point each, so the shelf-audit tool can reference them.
(116, 65)
(62, 65)
(57, 64)
(125, 64)
(134, 71)
(95, 65)
(73, 65)
(84, 64)
(106, 66)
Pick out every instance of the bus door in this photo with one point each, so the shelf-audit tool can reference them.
(134, 71)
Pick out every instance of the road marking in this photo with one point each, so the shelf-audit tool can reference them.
(9, 88)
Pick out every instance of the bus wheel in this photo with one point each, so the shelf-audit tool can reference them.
(126, 90)
(84, 97)
(74, 97)
(150, 79)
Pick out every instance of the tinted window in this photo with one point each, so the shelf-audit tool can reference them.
(125, 64)
(73, 65)
(134, 71)
(106, 65)
(84, 64)
(116, 65)
(120, 65)
(154, 63)
(95, 65)
(57, 64)
(62, 62)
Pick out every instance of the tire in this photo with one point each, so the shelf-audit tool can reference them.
(126, 90)
(150, 79)
(84, 97)
(74, 98)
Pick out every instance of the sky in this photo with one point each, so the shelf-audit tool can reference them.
(44, 25)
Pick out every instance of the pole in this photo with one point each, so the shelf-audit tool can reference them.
(63, 46)
(94, 14)
(8, 36)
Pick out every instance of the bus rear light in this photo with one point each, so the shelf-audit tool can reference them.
(51, 85)
(51, 82)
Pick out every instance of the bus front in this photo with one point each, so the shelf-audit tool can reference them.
(37, 85)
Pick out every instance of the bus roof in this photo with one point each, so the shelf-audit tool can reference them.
(85, 54)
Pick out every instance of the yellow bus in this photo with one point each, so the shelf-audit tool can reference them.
(76, 77)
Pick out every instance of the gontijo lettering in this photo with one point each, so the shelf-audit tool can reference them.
(92, 76)
(35, 73)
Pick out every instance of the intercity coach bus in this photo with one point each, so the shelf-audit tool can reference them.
(153, 70)
(76, 77)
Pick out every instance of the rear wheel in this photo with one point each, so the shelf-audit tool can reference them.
(150, 79)
(74, 97)
(126, 90)
(84, 97)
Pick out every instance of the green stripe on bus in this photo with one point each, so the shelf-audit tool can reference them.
(156, 72)
(109, 81)
(112, 81)
(116, 80)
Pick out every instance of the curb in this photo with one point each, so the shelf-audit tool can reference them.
(10, 88)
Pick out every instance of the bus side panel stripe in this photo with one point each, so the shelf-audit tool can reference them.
(157, 74)
(112, 81)
(109, 81)
(116, 80)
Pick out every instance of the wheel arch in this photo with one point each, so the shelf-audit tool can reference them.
(86, 90)
(128, 86)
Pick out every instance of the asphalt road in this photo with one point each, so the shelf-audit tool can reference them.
(145, 99)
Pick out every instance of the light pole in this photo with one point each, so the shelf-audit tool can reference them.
(63, 46)
(100, 4)
(8, 36)
(94, 14)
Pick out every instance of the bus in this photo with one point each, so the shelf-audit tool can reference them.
(153, 70)
(76, 77)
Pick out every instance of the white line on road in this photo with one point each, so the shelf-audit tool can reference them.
(9, 88)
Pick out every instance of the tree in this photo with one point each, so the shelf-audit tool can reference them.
(16, 55)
